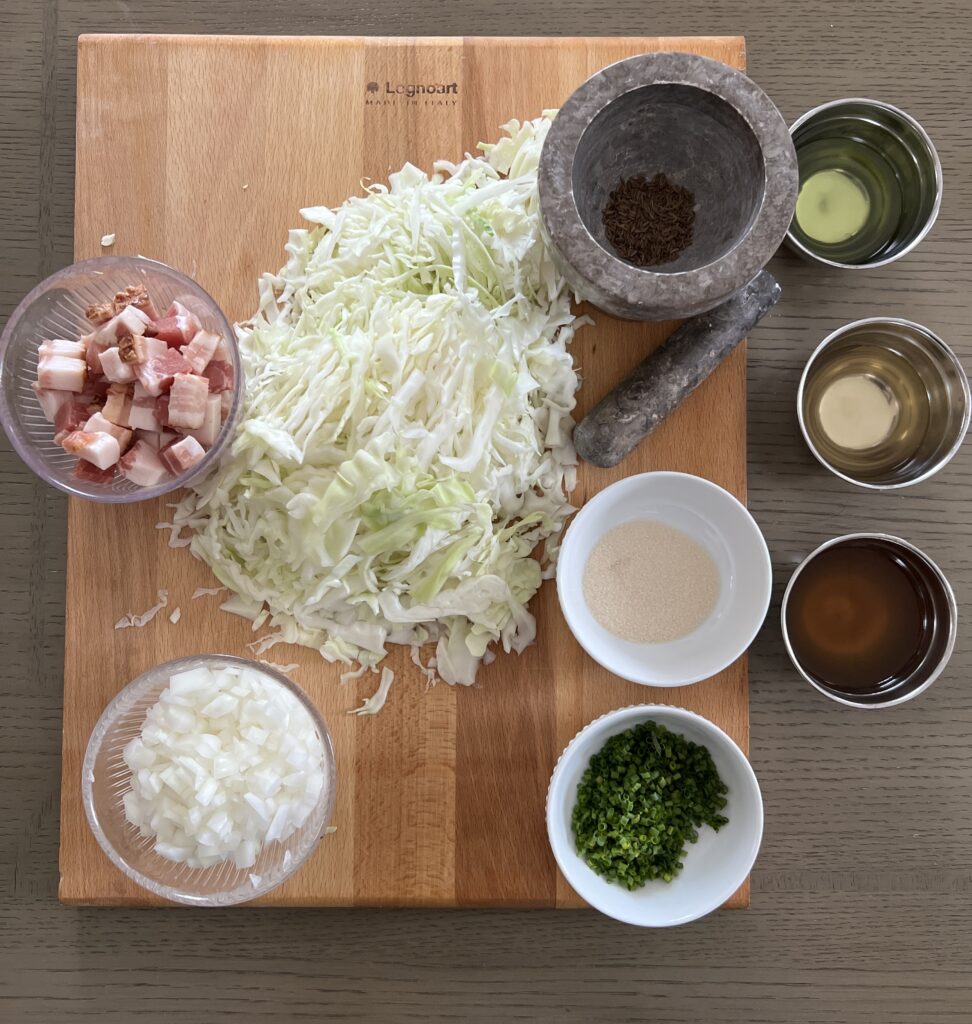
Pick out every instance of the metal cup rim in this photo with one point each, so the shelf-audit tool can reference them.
(798, 247)
(952, 619)
(949, 354)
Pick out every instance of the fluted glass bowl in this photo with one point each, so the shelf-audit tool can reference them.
(55, 309)
(105, 778)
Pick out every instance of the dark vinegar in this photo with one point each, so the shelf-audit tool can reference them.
(858, 616)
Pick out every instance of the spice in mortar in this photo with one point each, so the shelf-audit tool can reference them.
(644, 796)
(647, 582)
(649, 222)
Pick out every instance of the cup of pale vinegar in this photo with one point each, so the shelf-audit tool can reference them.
(870, 184)
(883, 403)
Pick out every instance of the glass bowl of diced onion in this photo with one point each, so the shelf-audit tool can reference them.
(201, 800)
(58, 312)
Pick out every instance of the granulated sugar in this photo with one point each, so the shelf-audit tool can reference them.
(650, 583)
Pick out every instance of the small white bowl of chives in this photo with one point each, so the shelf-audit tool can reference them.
(714, 866)
(664, 578)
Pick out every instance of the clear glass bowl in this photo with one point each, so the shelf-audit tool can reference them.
(55, 309)
(105, 778)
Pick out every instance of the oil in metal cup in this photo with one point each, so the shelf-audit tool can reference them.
(870, 184)
(904, 365)
(869, 620)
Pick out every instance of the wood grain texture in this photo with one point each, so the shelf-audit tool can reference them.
(441, 796)
(860, 906)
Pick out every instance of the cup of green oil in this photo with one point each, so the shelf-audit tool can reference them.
(870, 184)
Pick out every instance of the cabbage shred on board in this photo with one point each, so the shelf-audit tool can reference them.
(406, 440)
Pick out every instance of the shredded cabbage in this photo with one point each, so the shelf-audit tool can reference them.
(406, 438)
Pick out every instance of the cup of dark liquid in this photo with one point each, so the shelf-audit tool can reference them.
(869, 620)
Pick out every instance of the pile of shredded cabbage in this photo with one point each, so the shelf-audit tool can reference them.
(406, 438)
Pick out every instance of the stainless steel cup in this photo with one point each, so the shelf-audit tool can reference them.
(939, 629)
(883, 145)
(929, 385)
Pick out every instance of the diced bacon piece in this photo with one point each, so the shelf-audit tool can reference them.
(150, 437)
(176, 331)
(142, 417)
(102, 450)
(220, 375)
(86, 471)
(118, 405)
(187, 401)
(51, 401)
(96, 389)
(135, 295)
(225, 403)
(206, 435)
(129, 321)
(100, 313)
(98, 424)
(70, 416)
(142, 465)
(162, 410)
(182, 455)
(200, 350)
(115, 368)
(154, 347)
(60, 347)
(92, 352)
(222, 352)
(61, 373)
(131, 348)
(157, 373)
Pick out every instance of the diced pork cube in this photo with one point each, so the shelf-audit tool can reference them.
(96, 390)
(132, 348)
(225, 403)
(129, 321)
(100, 312)
(178, 327)
(222, 351)
(220, 375)
(71, 416)
(150, 437)
(135, 295)
(118, 405)
(162, 410)
(115, 368)
(61, 373)
(86, 471)
(51, 401)
(142, 417)
(206, 435)
(182, 455)
(157, 372)
(60, 347)
(142, 465)
(92, 353)
(200, 350)
(187, 401)
(98, 424)
(101, 450)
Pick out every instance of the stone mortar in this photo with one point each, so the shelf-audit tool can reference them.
(708, 128)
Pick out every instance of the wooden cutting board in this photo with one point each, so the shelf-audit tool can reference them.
(199, 151)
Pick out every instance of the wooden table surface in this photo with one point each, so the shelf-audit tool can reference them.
(862, 896)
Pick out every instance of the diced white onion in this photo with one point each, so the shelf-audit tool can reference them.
(226, 761)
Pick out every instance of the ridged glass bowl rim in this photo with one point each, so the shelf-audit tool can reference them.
(27, 452)
(120, 704)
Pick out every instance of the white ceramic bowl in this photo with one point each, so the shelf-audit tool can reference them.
(715, 866)
(716, 520)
